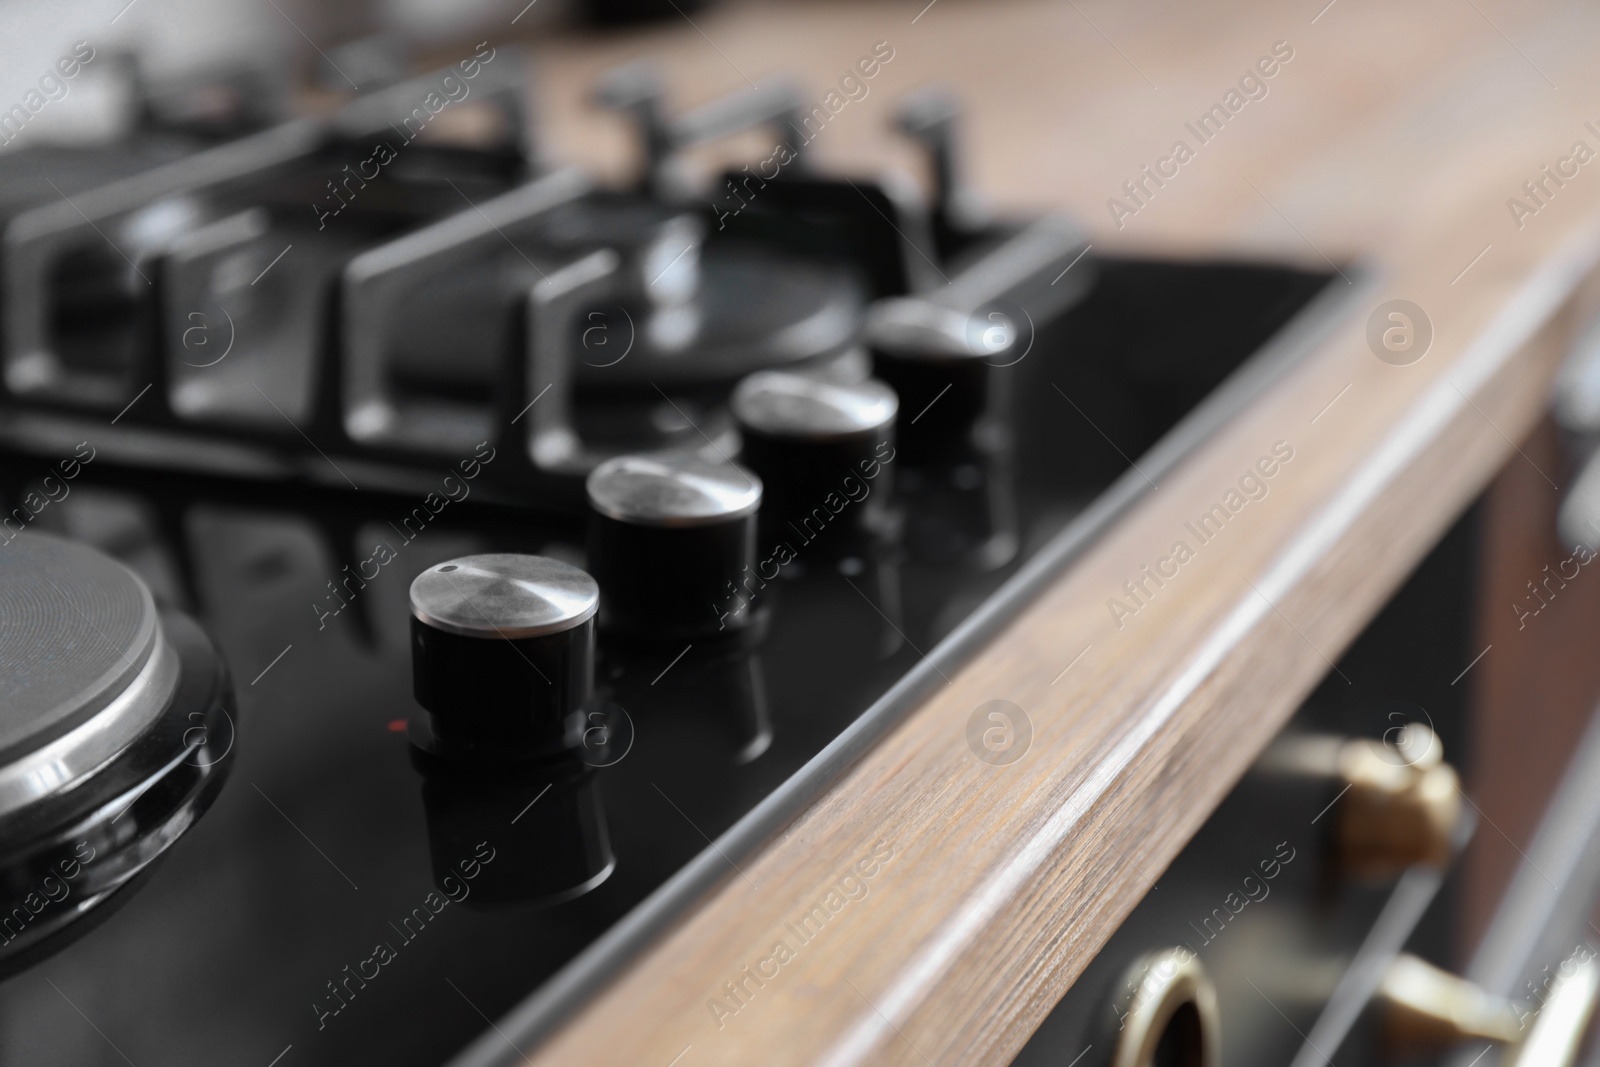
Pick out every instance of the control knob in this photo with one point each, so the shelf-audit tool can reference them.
(502, 654)
(672, 538)
(821, 450)
(939, 349)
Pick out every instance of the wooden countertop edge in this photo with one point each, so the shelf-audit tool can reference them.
(1000, 883)
(1070, 869)
(1440, 462)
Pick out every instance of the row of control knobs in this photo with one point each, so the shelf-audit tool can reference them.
(503, 645)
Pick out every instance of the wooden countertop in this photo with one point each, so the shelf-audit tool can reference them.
(1394, 136)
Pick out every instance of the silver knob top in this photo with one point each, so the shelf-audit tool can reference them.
(791, 405)
(992, 303)
(672, 490)
(504, 595)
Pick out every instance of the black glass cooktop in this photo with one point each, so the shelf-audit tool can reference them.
(347, 900)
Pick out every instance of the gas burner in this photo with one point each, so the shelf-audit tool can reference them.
(116, 721)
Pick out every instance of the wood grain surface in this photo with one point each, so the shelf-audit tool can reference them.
(1394, 136)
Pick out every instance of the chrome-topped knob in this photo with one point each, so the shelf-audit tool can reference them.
(502, 654)
(671, 540)
(822, 451)
(940, 349)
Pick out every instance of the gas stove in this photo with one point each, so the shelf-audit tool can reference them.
(425, 569)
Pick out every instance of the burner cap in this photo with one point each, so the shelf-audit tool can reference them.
(672, 490)
(792, 405)
(115, 724)
(504, 595)
(80, 639)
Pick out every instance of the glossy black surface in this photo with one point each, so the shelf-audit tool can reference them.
(345, 902)
(500, 699)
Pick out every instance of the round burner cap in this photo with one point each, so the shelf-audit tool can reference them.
(791, 405)
(672, 490)
(504, 595)
(77, 629)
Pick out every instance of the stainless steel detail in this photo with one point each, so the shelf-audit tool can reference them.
(672, 490)
(504, 596)
(786, 404)
(376, 281)
(78, 752)
(88, 667)
(1029, 272)
(37, 238)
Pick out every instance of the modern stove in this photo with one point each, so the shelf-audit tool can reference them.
(290, 423)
